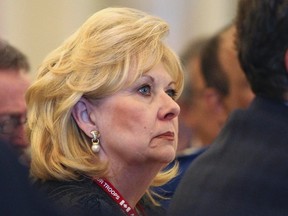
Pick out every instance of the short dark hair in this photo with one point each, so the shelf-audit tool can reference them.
(12, 58)
(262, 40)
(193, 50)
(212, 71)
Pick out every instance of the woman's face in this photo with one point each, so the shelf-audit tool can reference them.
(140, 124)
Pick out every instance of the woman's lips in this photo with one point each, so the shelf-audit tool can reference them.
(167, 135)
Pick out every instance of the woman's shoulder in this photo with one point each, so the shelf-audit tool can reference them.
(81, 197)
(84, 197)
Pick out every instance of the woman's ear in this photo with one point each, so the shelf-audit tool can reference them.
(81, 113)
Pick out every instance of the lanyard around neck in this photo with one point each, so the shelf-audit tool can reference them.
(116, 196)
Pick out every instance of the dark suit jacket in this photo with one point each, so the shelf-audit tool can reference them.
(169, 188)
(17, 197)
(245, 171)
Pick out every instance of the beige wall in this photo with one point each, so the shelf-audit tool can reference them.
(37, 27)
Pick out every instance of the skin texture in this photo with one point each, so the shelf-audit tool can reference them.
(13, 85)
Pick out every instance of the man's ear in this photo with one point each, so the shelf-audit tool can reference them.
(286, 60)
(216, 106)
(213, 100)
(81, 113)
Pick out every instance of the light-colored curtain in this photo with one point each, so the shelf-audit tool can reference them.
(37, 27)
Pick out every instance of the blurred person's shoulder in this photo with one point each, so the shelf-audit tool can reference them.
(18, 197)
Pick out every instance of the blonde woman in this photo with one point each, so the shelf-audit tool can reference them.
(102, 116)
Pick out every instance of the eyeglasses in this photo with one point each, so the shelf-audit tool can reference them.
(8, 123)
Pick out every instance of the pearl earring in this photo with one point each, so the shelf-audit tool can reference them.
(95, 141)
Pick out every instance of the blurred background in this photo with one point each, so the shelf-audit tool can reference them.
(37, 27)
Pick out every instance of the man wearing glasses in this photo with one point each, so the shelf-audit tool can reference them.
(14, 81)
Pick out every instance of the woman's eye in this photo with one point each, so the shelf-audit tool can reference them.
(145, 90)
(172, 93)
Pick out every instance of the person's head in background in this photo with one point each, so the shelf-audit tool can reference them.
(263, 51)
(14, 81)
(218, 86)
(191, 61)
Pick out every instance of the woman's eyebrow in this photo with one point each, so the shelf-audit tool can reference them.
(147, 76)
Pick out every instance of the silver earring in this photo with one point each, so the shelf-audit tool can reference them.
(95, 141)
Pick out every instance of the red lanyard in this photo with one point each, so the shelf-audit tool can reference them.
(116, 196)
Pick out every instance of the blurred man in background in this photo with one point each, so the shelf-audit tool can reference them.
(244, 171)
(14, 81)
(218, 87)
(215, 86)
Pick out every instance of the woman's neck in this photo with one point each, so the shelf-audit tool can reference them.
(133, 181)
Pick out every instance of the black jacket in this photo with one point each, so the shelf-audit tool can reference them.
(245, 171)
(84, 197)
(18, 197)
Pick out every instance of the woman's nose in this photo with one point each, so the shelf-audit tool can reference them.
(169, 109)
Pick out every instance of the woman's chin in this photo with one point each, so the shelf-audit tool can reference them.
(167, 156)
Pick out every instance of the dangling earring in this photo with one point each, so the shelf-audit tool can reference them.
(95, 141)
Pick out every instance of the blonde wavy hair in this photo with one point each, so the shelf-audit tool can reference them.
(93, 63)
